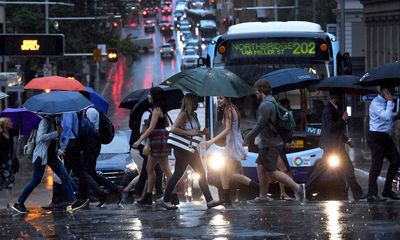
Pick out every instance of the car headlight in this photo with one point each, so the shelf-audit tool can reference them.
(203, 46)
(131, 167)
(216, 161)
(333, 161)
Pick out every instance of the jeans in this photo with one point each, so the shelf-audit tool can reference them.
(37, 175)
(382, 145)
(183, 159)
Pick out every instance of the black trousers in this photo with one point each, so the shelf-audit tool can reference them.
(183, 159)
(382, 146)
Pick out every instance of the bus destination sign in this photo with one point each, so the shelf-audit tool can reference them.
(308, 48)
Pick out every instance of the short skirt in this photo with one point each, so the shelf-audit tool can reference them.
(158, 143)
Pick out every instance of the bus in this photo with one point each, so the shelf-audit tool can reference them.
(254, 49)
(207, 31)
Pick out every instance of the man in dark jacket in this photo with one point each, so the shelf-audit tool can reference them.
(333, 140)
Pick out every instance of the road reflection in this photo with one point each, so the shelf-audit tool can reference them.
(219, 226)
(333, 225)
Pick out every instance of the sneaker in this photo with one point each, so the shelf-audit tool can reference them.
(301, 194)
(19, 208)
(391, 195)
(103, 200)
(52, 206)
(286, 198)
(259, 201)
(79, 204)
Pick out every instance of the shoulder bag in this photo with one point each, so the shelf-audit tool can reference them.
(188, 143)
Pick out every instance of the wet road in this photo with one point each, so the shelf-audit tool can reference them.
(276, 220)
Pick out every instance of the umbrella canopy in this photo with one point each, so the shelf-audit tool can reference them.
(3, 95)
(287, 79)
(210, 82)
(97, 99)
(55, 83)
(24, 120)
(387, 74)
(344, 84)
(57, 102)
(173, 96)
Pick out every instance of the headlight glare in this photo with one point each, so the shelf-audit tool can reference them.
(216, 161)
(333, 161)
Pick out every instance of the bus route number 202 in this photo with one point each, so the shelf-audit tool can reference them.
(304, 48)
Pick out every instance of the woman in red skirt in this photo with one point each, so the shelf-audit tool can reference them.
(157, 136)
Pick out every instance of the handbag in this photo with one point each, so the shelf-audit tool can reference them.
(30, 145)
(146, 148)
(188, 143)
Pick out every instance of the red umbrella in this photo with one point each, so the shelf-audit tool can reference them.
(55, 83)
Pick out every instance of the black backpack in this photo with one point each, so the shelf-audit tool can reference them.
(88, 136)
(106, 128)
(285, 123)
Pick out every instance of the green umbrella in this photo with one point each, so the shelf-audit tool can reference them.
(210, 82)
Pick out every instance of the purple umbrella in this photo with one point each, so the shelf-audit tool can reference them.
(22, 118)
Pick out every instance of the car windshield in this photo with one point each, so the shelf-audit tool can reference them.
(120, 144)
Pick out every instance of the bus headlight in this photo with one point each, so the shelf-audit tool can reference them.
(216, 161)
(333, 161)
(131, 167)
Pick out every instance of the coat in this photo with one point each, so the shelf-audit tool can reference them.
(333, 127)
(46, 132)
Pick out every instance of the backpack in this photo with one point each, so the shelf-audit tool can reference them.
(88, 136)
(285, 123)
(106, 128)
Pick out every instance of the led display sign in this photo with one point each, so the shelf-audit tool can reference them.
(31, 44)
(276, 48)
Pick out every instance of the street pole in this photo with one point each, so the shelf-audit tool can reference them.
(314, 18)
(342, 41)
(46, 23)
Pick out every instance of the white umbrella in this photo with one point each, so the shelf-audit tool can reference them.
(3, 95)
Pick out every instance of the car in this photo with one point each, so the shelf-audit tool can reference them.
(114, 161)
(149, 12)
(189, 61)
(165, 27)
(192, 43)
(149, 26)
(189, 51)
(183, 22)
(172, 42)
(166, 10)
(166, 50)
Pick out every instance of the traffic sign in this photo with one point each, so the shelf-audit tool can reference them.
(31, 44)
(97, 55)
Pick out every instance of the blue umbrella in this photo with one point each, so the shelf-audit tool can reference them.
(98, 100)
(288, 79)
(344, 84)
(57, 102)
(24, 120)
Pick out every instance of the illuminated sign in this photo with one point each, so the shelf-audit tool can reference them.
(278, 47)
(31, 44)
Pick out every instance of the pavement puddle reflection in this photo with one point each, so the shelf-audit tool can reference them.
(333, 225)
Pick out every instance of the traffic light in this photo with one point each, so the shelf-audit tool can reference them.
(114, 24)
(112, 55)
(97, 55)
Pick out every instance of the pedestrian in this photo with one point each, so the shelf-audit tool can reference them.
(382, 146)
(139, 124)
(234, 150)
(70, 153)
(269, 146)
(187, 124)
(45, 153)
(333, 140)
(158, 136)
(89, 157)
(7, 180)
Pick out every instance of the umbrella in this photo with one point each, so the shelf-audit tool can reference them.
(24, 120)
(3, 95)
(387, 74)
(344, 84)
(287, 79)
(210, 82)
(97, 99)
(55, 83)
(172, 95)
(57, 102)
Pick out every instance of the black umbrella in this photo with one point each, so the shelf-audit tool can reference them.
(344, 84)
(387, 74)
(173, 96)
(287, 79)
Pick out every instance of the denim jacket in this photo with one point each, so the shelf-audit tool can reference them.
(46, 132)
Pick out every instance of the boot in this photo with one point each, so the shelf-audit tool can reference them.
(227, 197)
(146, 200)
(174, 199)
